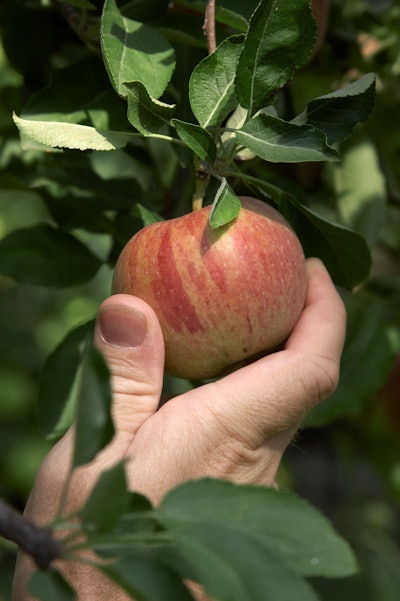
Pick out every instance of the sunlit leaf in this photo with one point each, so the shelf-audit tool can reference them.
(280, 39)
(70, 135)
(134, 51)
(211, 87)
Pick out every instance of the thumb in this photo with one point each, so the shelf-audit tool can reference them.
(128, 334)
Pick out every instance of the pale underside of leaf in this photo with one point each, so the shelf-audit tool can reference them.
(70, 135)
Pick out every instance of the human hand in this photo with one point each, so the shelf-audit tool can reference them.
(235, 428)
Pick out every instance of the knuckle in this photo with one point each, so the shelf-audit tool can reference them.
(321, 379)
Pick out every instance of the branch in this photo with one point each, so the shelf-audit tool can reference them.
(38, 542)
(209, 26)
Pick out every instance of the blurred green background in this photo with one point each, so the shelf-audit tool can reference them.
(346, 460)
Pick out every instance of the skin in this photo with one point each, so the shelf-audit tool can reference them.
(235, 428)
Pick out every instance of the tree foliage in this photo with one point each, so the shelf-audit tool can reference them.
(114, 115)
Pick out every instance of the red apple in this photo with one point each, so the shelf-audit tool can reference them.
(221, 295)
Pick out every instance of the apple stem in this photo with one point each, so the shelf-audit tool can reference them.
(198, 196)
(202, 179)
(209, 26)
(197, 203)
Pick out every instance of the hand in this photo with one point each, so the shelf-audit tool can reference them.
(235, 428)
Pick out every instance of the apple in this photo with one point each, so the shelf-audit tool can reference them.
(222, 296)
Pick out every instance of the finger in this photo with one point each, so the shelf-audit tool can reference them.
(274, 393)
(324, 309)
(128, 334)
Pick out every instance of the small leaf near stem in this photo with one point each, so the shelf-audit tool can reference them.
(226, 206)
(209, 26)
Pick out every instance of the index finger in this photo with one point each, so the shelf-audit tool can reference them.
(322, 326)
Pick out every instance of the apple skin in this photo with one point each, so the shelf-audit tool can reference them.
(221, 295)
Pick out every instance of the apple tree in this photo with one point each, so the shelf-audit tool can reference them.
(114, 115)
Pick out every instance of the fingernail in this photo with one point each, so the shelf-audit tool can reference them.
(122, 327)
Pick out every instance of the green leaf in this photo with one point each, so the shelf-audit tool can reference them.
(345, 253)
(339, 112)
(45, 256)
(148, 216)
(82, 4)
(381, 555)
(50, 585)
(93, 428)
(122, 166)
(133, 51)
(369, 353)
(361, 200)
(108, 500)
(240, 8)
(197, 139)
(278, 141)
(128, 521)
(211, 86)
(138, 519)
(144, 112)
(233, 565)
(291, 529)
(56, 407)
(226, 206)
(280, 39)
(80, 94)
(234, 13)
(70, 135)
(141, 572)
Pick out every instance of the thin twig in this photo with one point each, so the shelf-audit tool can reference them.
(38, 542)
(209, 26)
